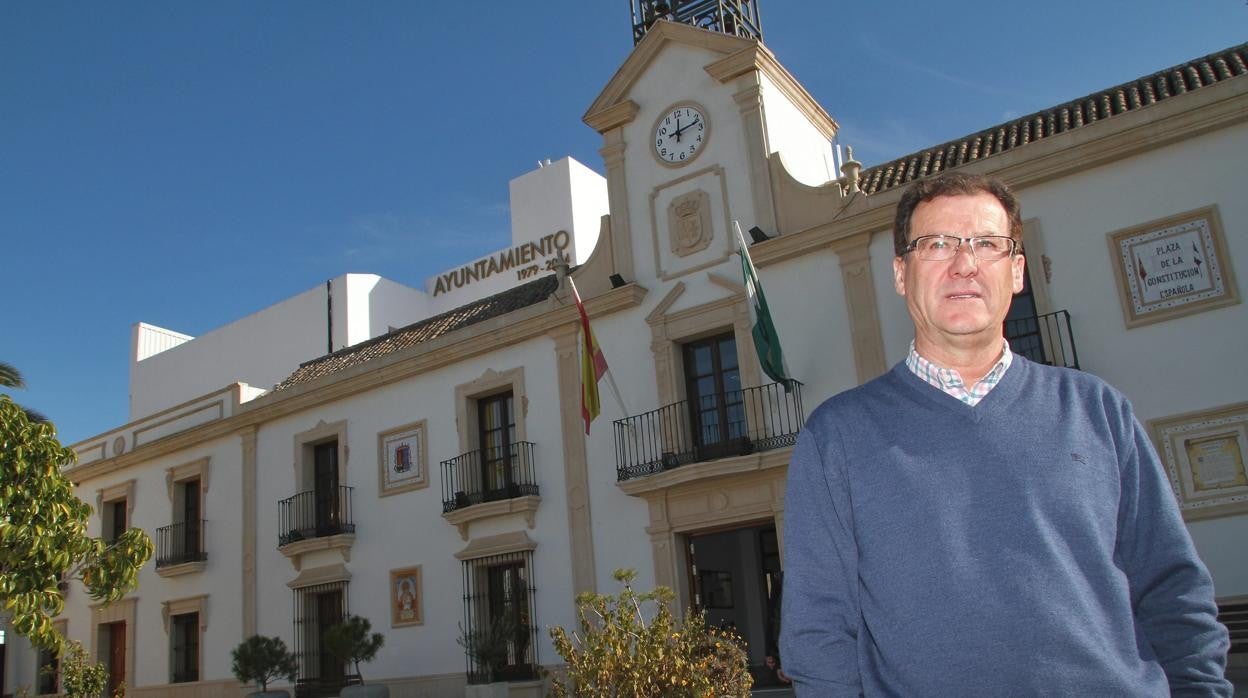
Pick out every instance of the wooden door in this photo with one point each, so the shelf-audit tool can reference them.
(116, 655)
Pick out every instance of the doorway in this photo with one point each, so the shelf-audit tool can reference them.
(112, 645)
(734, 575)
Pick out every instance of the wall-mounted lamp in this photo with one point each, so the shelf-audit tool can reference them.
(617, 281)
(757, 234)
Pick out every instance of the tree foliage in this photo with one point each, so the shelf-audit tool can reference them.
(262, 659)
(351, 641)
(10, 377)
(81, 677)
(618, 652)
(43, 532)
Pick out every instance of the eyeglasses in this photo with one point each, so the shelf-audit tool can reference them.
(940, 248)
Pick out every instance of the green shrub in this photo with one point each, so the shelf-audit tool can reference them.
(617, 651)
(261, 659)
(350, 641)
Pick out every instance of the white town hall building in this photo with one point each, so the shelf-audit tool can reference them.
(417, 456)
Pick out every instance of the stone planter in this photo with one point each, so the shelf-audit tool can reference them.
(498, 689)
(372, 690)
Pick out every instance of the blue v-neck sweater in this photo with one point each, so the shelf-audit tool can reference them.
(1029, 545)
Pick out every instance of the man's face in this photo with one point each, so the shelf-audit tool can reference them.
(958, 304)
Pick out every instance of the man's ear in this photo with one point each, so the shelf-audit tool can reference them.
(899, 275)
(1018, 270)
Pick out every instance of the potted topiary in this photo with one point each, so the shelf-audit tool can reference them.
(260, 659)
(352, 642)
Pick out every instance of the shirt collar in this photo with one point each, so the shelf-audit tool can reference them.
(949, 380)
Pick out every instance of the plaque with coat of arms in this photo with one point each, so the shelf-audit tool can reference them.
(402, 459)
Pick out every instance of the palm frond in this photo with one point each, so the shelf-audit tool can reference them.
(10, 376)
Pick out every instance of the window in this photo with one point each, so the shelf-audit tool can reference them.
(321, 506)
(326, 508)
(317, 608)
(182, 541)
(184, 620)
(497, 423)
(184, 648)
(498, 602)
(49, 675)
(115, 505)
(496, 463)
(713, 388)
(181, 544)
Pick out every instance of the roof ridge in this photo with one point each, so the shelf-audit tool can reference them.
(1082, 111)
(515, 298)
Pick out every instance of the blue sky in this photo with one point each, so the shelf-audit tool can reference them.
(186, 164)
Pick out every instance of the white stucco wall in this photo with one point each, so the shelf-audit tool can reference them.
(556, 210)
(263, 348)
(806, 151)
(676, 77)
(260, 349)
(152, 509)
(408, 528)
(391, 305)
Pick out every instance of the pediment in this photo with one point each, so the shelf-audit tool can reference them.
(657, 37)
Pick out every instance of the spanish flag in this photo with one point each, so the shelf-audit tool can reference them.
(593, 364)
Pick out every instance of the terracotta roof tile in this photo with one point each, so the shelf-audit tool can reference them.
(426, 330)
(1202, 72)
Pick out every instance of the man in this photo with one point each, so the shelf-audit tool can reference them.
(974, 524)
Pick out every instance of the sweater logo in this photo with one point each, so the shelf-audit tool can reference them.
(1078, 458)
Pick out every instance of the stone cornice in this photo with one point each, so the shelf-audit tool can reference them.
(758, 57)
(613, 116)
(709, 470)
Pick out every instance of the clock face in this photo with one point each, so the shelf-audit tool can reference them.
(680, 134)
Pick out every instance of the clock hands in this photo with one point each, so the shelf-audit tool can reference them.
(681, 129)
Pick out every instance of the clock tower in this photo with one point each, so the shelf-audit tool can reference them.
(697, 124)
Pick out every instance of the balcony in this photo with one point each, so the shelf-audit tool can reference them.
(180, 548)
(758, 419)
(1044, 339)
(488, 475)
(490, 482)
(315, 514)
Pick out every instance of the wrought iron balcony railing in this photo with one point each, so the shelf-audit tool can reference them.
(1045, 339)
(757, 419)
(488, 475)
(180, 542)
(315, 514)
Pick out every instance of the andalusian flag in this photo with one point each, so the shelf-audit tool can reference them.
(593, 364)
(766, 340)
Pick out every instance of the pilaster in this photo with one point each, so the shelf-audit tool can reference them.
(248, 436)
(575, 465)
(750, 104)
(617, 199)
(864, 319)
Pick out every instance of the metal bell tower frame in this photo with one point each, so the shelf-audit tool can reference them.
(735, 17)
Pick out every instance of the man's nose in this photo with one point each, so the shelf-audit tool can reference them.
(964, 262)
